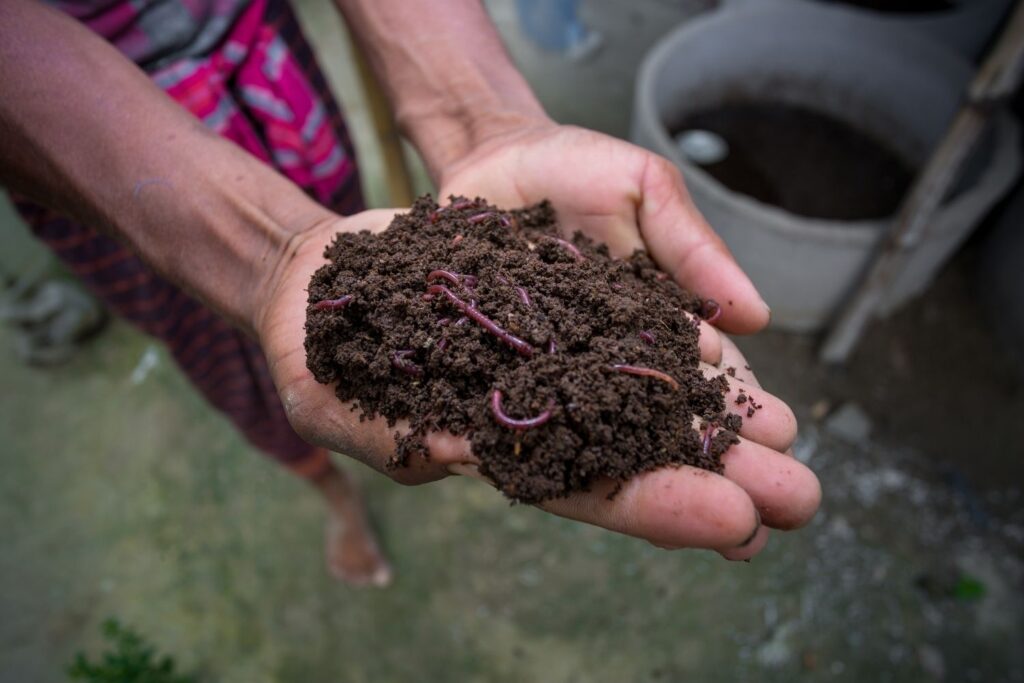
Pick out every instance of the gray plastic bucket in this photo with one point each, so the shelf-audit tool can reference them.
(890, 82)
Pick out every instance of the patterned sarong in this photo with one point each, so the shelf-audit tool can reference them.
(261, 88)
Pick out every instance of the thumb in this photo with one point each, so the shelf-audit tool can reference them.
(686, 247)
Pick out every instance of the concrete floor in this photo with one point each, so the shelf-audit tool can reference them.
(124, 495)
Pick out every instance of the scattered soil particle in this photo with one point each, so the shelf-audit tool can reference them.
(561, 365)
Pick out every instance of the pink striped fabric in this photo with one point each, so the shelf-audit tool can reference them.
(262, 89)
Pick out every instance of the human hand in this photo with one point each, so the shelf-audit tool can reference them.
(615, 193)
(673, 507)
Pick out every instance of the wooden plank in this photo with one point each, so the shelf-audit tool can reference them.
(997, 79)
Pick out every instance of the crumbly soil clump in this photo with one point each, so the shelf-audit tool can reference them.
(427, 320)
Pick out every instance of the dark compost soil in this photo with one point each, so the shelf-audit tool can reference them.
(803, 161)
(398, 320)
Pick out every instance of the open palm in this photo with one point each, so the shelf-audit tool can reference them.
(640, 205)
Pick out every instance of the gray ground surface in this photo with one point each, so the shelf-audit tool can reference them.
(123, 495)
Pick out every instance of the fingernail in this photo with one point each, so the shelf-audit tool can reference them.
(757, 527)
(767, 308)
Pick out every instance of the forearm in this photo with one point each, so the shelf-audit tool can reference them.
(84, 131)
(443, 66)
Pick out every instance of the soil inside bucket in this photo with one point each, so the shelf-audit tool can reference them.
(561, 365)
(804, 161)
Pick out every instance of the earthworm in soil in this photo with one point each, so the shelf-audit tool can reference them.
(571, 248)
(480, 217)
(399, 362)
(646, 372)
(711, 311)
(647, 337)
(707, 437)
(454, 206)
(512, 423)
(333, 304)
(522, 347)
(448, 275)
(524, 297)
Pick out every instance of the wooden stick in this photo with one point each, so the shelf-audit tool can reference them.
(996, 80)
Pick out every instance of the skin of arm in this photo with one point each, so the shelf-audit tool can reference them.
(445, 70)
(84, 131)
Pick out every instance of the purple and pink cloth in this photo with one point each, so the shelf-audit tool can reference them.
(246, 71)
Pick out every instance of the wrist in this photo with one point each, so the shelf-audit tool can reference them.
(447, 134)
(220, 231)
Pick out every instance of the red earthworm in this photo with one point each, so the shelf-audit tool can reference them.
(646, 372)
(647, 337)
(552, 345)
(333, 304)
(399, 362)
(456, 240)
(467, 281)
(427, 297)
(522, 347)
(454, 206)
(461, 321)
(445, 274)
(443, 321)
(571, 248)
(477, 218)
(504, 220)
(512, 423)
(524, 297)
(442, 343)
(707, 436)
(710, 310)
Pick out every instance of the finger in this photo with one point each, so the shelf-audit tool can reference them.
(681, 241)
(772, 424)
(785, 492)
(709, 341)
(671, 507)
(748, 551)
(732, 357)
(443, 451)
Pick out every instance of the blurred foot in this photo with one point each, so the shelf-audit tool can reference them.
(353, 555)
